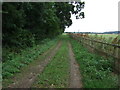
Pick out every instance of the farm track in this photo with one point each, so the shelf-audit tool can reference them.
(75, 77)
(27, 78)
(59, 57)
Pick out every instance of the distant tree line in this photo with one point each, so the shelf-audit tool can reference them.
(110, 32)
(27, 23)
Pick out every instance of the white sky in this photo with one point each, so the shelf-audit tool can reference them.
(100, 16)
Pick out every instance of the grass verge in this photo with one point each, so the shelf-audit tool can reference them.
(96, 71)
(56, 74)
(14, 66)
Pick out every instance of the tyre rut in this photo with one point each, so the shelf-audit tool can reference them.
(75, 76)
(29, 77)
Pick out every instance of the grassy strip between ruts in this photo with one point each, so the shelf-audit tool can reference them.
(56, 74)
(13, 66)
(96, 71)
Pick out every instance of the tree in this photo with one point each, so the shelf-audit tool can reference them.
(28, 22)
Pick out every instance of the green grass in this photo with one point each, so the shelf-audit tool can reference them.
(16, 62)
(105, 37)
(108, 38)
(96, 71)
(56, 74)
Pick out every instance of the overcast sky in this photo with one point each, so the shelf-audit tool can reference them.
(100, 16)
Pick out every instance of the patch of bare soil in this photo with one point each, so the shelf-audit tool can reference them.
(75, 77)
(28, 76)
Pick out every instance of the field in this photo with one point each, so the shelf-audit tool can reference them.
(106, 37)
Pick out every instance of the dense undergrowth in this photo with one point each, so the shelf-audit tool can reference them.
(97, 72)
(16, 61)
(56, 74)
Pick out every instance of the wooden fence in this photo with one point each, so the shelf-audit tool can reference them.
(103, 48)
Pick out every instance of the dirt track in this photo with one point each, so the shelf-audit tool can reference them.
(26, 78)
(75, 77)
(29, 75)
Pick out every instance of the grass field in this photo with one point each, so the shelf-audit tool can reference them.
(110, 38)
(105, 35)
